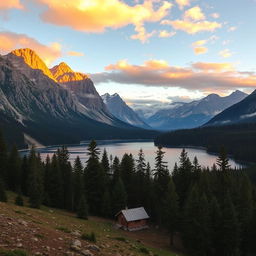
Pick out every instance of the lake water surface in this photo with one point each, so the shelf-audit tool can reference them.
(119, 148)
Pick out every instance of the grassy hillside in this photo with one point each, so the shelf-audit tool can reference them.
(26, 231)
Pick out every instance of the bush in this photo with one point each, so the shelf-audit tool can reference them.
(63, 229)
(144, 250)
(19, 200)
(13, 253)
(89, 237)
(119, 238)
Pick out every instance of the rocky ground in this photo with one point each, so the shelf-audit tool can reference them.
(54, 232)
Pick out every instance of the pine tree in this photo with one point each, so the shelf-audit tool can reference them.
(47, 180)
(14, 170)
(55, 184)
(25, 176)
(182, 177)
(82, 211)
(35, 180)
(116, 170)
(127, 171)
(222, 160)
(106, 204)
(19, 200)
(244, 209)
(66, 173)
(140, 186)
(215, 227)
(3, 159)
(94, 179)
(161, 181)
(78, 182)
(119, 197)
(105, 162)
(3, 196)
(229, 235)
(172, 210)
(196, 224)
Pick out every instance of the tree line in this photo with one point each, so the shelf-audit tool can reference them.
(212, 210)
(238, 139)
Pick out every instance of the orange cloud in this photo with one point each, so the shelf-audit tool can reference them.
(194, 13)
(213, 67)
(165, 33)
(76, 54)
(9, 4)
(198, 76)
(194, 21)
(226, 53)
(183, 3)
(199, 46)
(193, 27)
(10, 41)
(200, 50)
(98, 15)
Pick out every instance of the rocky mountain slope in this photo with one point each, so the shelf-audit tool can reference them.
(34, 104)
(182, 115)
(242, 112)
(122, 111)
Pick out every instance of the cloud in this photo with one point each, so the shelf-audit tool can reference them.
(10, 41)
(200, 50)
(226, 53)
(10, 4)
(231, 29)
(213, 67)
(165, 33)
(194, 21)
(142, 34)
(194, 13)
(76, 54)
(192, 27)
(199, 46)
(99, 15)
(158, 73)
(215, 15)
(183, 3)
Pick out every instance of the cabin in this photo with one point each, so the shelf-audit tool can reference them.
(132, 219)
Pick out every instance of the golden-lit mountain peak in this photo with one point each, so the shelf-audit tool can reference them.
(63, 74)
(33, 60)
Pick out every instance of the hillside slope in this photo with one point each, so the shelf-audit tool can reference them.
(52, 232)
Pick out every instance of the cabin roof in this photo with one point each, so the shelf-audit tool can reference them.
(134, 214)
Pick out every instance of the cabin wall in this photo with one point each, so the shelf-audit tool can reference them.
(122, 221)
(137, 224)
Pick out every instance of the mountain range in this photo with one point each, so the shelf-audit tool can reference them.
(53, 106)
(122, 111)
(242, 112)
(182, 115)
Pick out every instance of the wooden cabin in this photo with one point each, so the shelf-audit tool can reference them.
(132, 219)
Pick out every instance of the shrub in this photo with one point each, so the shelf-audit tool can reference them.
(89, 237)
(63, 229)
(19, 200)
(13, 253)
(144, 250)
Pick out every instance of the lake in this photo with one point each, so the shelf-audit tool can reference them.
(119, 148)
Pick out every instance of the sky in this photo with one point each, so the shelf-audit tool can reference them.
(148, 51)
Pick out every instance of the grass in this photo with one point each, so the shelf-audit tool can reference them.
(111, 240)
(12, 253)
(63, 229)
